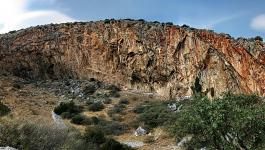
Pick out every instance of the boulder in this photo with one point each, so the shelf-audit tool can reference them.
(140, 131)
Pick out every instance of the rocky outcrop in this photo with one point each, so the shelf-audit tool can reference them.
(147, 56)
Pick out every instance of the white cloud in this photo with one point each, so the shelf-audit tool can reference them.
(15, 15)
(258, 23)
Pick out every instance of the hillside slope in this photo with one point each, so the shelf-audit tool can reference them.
(147, 56)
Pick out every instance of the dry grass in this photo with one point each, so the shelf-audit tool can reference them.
(28, 102)
(36, 104)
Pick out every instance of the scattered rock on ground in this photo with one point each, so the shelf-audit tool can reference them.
(140, 131)
(134, 144)
(7, 148)
(184, 141)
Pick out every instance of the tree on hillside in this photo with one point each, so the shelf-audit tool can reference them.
(229, 122)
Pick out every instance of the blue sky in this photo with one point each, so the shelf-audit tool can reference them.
(235, 17)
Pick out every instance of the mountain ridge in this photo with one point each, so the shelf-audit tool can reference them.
(153, 57)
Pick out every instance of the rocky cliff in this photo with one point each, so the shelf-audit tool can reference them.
(149, 56)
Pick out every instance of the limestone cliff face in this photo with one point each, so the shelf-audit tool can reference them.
(147, 56)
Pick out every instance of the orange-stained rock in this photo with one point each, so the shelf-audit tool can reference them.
(147, 56)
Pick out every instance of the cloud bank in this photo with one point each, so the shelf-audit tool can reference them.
(14, 15)
(258, 23)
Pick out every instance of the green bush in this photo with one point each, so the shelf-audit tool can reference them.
(124, 101)
(139, 109)
(229, 122)
(169, 24)
(117, 109)
(112, 88)
(111, 144)
(155, 114)
(106, 21)
(116, 117)
(107, 101)
(94, 135)
(258, 38)
(112, 127)
(4, 110)
(96, 106)
(81, 120)
(67, 115)
(95, 120)
(89, 89)
(115, 94)
(67, 107)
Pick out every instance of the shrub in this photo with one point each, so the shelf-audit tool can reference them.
(94, 135)
(23, 136)
(117, 117)
(4, 110)
(67, 107)
(141, 20)
(96, 106)
(95, 120)
(169, 23)
(258, 38)
(106, 21)
(37, 137)
(66, 115)
(112, 127)
(139, 109)
(117, 109)
(229, 122)
(81, 120)
(149, 139)
(156, 114)
(107, 101)
(114, 90)
(18, 85)
(115, 94)
(185, 26)
(124, 101)
(90, 89)
(111, 144)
